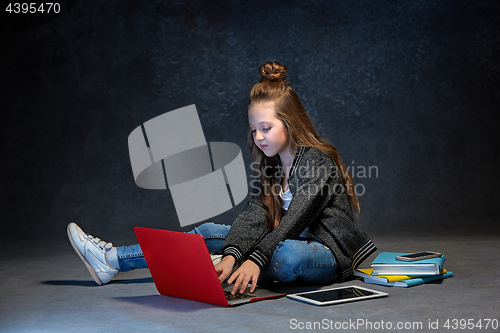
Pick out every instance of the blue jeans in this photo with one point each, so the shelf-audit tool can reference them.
(294, 259)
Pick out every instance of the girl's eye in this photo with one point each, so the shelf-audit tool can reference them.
(265, 130)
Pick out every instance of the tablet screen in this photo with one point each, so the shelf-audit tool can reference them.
(337, 294)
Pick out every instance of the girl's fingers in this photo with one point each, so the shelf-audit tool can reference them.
(244, 285)
(254, 284)
(236, 285)
(219, 271)
(224, 268)
(240, 281)
(234, 276)
(242, 277)
(223, 276)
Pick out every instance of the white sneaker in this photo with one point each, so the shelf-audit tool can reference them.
(92, 251)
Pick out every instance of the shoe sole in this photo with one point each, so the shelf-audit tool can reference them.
(85, 261)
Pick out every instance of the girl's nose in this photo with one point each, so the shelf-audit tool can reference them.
(259, 136)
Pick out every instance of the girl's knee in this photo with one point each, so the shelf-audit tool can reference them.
(297, 259)
(203, 228)
(294, 251)
(210, 228)
(286, 259)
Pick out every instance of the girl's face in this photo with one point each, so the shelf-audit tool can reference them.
(269, 133)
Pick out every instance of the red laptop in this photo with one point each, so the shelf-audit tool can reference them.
(182, 267)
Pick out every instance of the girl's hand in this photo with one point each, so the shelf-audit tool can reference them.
(247, 272)
(225, 267)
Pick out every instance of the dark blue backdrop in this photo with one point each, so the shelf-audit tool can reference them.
(409, 87)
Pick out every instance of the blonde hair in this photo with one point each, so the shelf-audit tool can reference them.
(274, 87)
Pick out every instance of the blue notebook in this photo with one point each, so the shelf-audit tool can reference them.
(386, 264)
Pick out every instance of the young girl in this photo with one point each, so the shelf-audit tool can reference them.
(299, 222)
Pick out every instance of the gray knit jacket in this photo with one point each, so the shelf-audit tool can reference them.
(320, 202)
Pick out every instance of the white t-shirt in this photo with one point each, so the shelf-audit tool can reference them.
(286, 198)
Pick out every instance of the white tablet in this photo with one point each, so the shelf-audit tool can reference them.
(337, 295)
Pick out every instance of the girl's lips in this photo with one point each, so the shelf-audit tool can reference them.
(263, 147)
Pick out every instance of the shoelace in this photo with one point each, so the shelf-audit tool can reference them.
(99, 242)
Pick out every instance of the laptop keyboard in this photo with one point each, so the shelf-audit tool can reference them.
(231, 297)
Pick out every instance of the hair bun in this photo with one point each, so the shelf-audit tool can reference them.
(273, 71)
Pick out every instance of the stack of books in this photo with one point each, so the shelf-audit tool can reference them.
(387, 271)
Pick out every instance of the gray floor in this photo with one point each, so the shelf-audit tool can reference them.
(46, 288)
